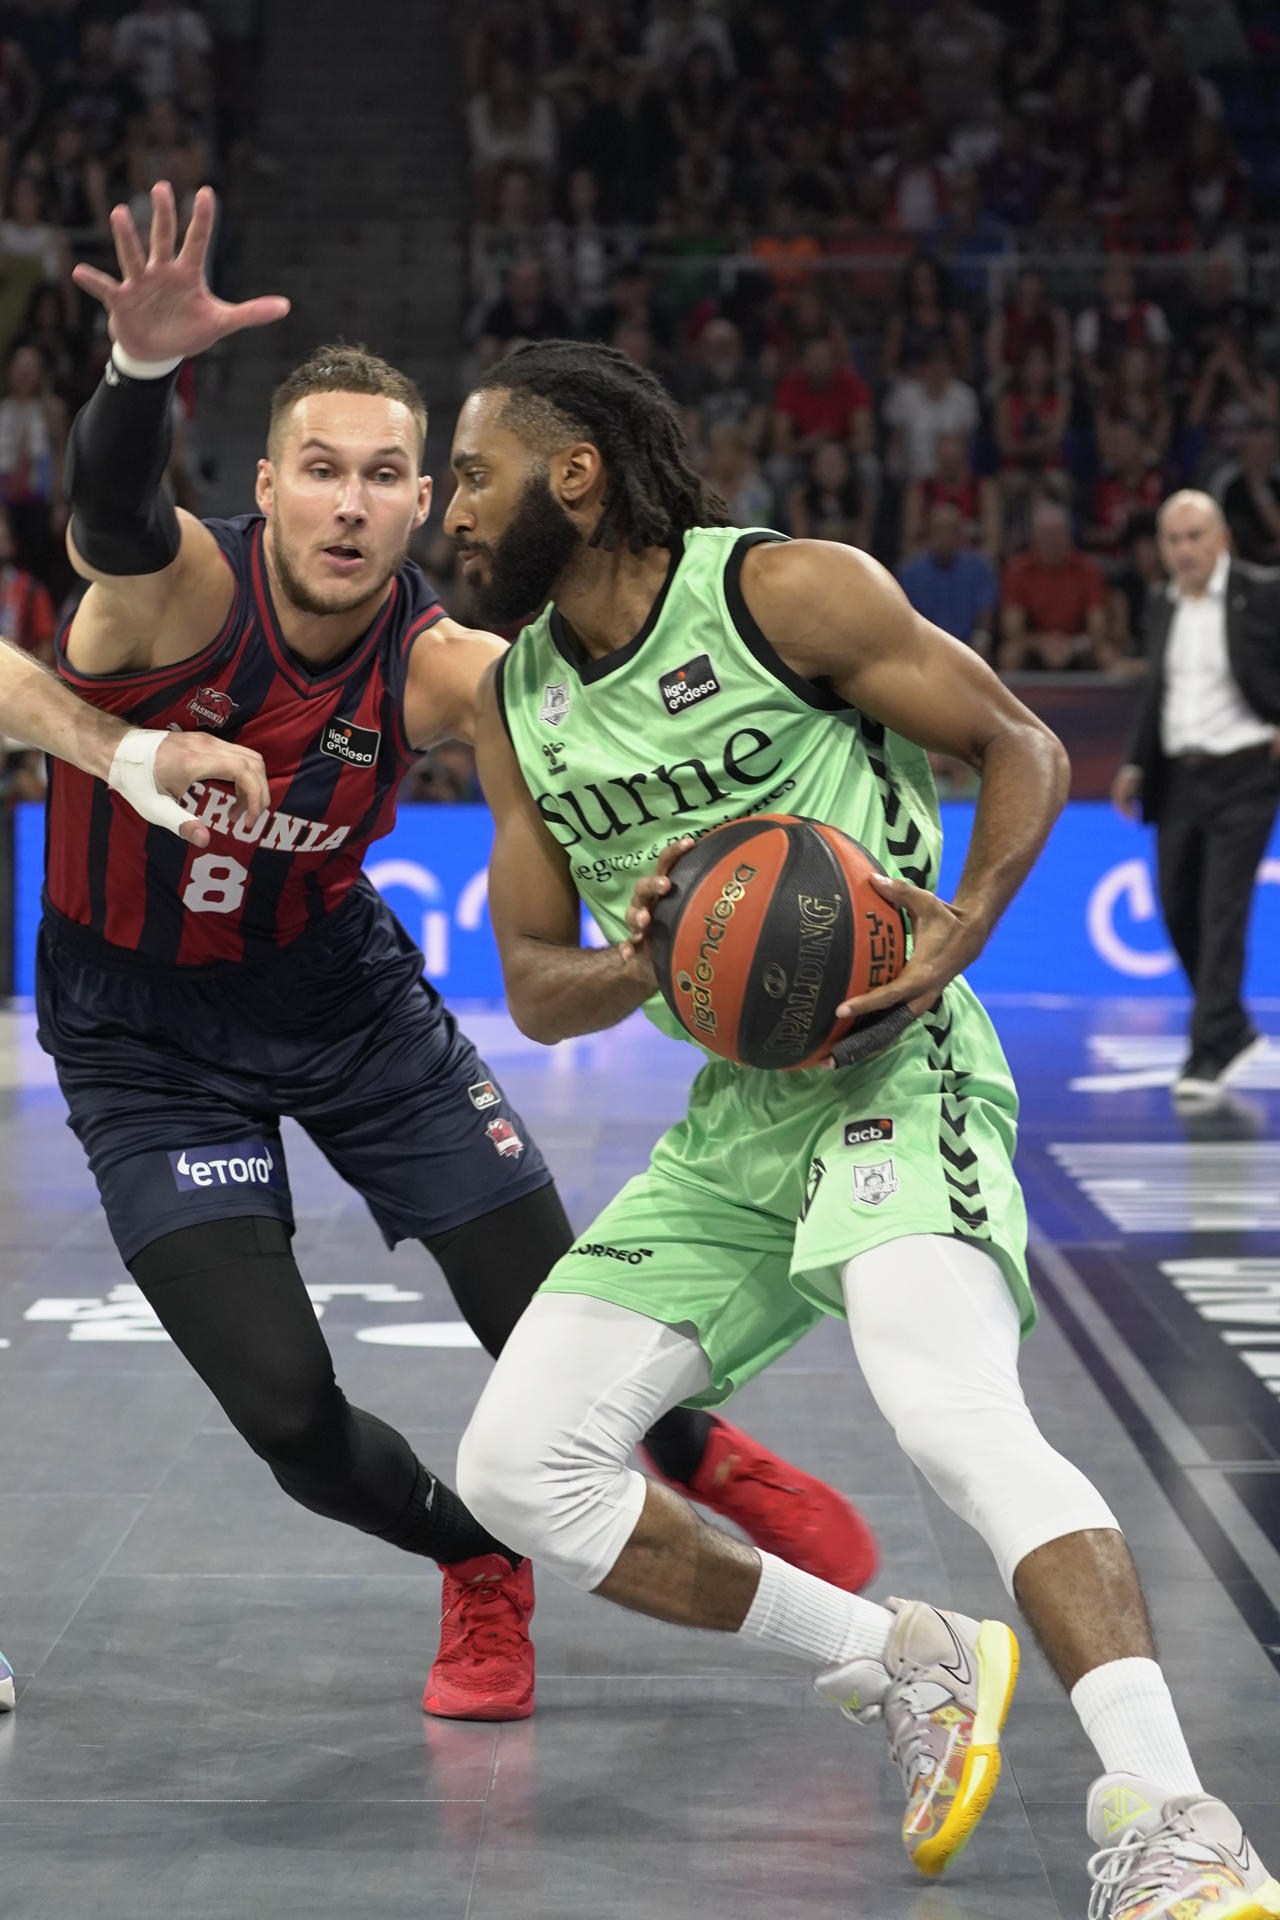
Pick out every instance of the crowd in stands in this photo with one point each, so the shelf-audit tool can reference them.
(972, 286)
(96, 104)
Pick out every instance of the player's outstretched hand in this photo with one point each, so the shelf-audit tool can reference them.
(152, 770)
(943, 945)
(161, 308)
(647, 894)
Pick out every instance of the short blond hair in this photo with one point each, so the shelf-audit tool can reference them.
(339, 368)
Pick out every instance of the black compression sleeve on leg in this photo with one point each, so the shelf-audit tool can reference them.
(677, 1442)
(495, 1265)
(230, 1296)
(124, 520)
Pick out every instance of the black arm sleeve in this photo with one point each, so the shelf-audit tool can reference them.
(124, 519)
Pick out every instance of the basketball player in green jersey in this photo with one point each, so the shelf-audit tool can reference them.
(684, 674)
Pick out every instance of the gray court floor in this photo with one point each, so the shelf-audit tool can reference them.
(219, 1694)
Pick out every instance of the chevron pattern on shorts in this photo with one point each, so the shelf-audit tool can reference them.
(959, 1159)
(905, 841)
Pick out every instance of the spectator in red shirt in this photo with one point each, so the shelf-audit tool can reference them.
(1031, 417)
(953, 483)
(1054, 612)
(26, 610)
(1028, 320)
(820, 401)
(1130, 486)
(881, 98)
(1134, 395)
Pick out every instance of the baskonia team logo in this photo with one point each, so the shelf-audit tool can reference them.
(211, 706)
(505, 1138)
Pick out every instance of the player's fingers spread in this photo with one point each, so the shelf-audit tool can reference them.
(129, 250)
(199, 228)
(164, 223)
(262, 312)
(90, 280)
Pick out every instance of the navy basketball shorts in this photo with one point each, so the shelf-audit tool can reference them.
(176, 1085)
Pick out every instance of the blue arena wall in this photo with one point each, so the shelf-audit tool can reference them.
(1086, 921)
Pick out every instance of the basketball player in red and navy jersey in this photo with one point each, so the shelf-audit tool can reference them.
(192, 997)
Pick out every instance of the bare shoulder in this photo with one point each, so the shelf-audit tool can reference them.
(810, 597)
(450, 633)
(448, 664)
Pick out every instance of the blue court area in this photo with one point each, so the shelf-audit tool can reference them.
(218, 1694)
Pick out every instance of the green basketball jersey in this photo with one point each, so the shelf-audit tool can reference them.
(698, 721)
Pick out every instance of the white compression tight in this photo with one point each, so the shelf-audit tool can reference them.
(544, 1463)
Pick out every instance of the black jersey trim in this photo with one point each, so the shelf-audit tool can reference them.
(814, 693)
(144, 677)
(500, 690)
(585, 665)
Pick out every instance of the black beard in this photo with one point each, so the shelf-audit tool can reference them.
(300, 596)
(537, 546)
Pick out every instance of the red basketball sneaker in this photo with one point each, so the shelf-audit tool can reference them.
(484, 1669)
(781, 1509)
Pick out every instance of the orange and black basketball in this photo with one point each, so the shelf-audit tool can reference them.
(770, 924)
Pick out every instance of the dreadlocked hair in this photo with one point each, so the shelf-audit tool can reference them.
(560, 389)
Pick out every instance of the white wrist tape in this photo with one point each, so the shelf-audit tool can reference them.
(134, 369)
(133, 777)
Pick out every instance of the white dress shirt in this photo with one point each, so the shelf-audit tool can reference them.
(1204, 710)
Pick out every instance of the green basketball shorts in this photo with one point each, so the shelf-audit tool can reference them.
(741, 1225)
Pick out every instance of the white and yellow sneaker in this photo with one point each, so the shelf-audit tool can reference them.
(943, 1690)
(1180, 1859)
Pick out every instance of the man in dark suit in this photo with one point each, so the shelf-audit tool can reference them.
(1204, 765)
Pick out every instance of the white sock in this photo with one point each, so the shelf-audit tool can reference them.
(1126, 1709)
(802, 1616)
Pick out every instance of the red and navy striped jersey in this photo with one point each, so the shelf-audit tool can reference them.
(335, 749)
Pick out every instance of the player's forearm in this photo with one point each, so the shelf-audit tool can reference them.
(557, 992)
(36, 709)
(124, 523)
(1025, 778)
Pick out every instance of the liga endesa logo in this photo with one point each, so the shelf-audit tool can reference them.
(694, 681)
(699, 984)
(343, 740)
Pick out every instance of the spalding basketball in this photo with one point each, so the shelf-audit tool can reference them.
(769, 925)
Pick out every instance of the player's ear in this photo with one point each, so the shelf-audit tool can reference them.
(425, 487)
(265, 486)
(578, 473)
